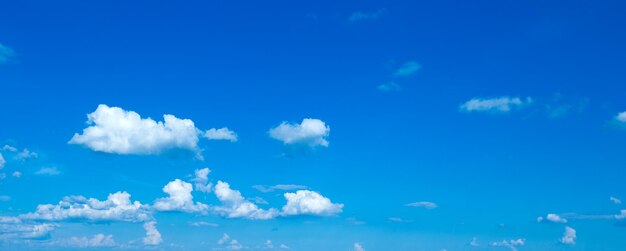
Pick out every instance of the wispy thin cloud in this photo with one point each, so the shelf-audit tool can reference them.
(423, 204)
(361, 15)
(6, 53)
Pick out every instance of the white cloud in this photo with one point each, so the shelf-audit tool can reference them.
(569, 236)
(117, 207)
(312, 132)
(17, 174)
(98, 240)
(621, 117)
(615, 200)
(2, 161)
(235, 206)
(621, 216)
(408, 68)
(474, 242)
(229, 244)
(501, 104)
(9, 148)
(179, 199)
(26, 154)
(360, 16)
(424, 204)
(114, 130)
(224, 239)
(399, 220)
(203, 224)
(201, 180)
(50, 171)
(15, 228)
(512, 244)
(5, 198)
(6, 53)
(555, 218)
(358, 247)
(284, 187)
(153, 237)
(221, 134)
(309, 203)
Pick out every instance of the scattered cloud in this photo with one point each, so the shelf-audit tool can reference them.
(621, 216)
(115, 130)
(407, 69)
(615, 200)
(179, 199)
(306, 202)
(358, 247)
(221, 134)
(499, 105)
(398, 220)
(361, 16)
(153, 237)
(203, 224)
(201, 180)
(389, 86)
(97, 241)
(512, 244)
(9, 148)
(555, 218)
(474, 242)
(229, 244)
(117, 207)
(5, 198)
(569, 236)
(621, 117)
(235, 206)
(311, 132)
(284, 187)
(16, 228)
(26, 154)
(2, 161)
(17, 174)
(49, 171)
(424, 204)
(6, 53)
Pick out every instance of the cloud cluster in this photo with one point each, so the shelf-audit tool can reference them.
(512, 244)
(569, 236)
(115, 130)
(554, 218)
(305, 202)
(117, 207)
(221, 134)
(236, 206)
(179, 199)
(499, 105)
(311, 132)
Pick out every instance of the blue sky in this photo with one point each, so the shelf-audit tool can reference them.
(325, 125)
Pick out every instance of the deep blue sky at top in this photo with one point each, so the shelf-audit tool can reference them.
(250, 65)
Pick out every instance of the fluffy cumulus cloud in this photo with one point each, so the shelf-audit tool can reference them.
(26, 154)
(236, 206)
(554, 218)
(500, 105)
(423, 204)
(358, 247)
(569, 236)
(512, 244)
(114, 130)
(221, 134)
(408, 68)
(311, 132)
(96, 241)
(6, 53)
(179, 199)
(305, 202)
(361, 16)
(153, 236)
(117, 207)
